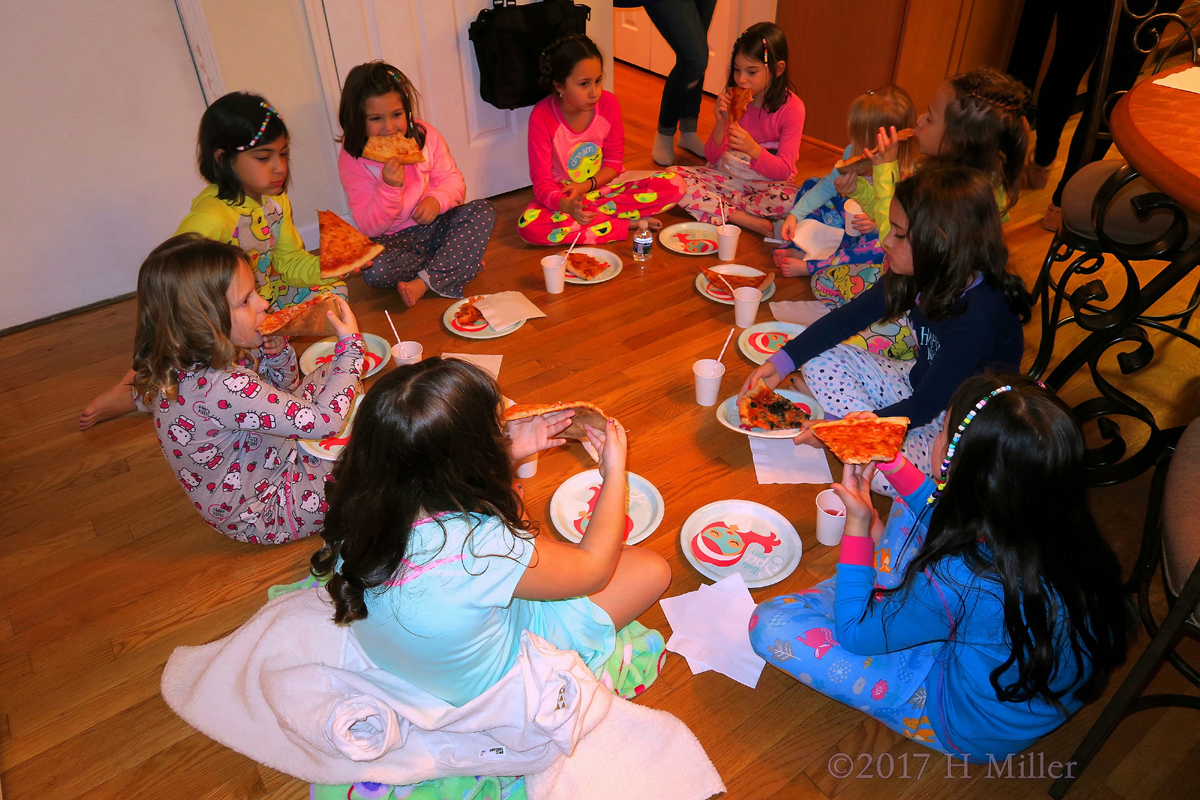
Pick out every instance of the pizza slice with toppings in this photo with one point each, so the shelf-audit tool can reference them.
(467, 313)
(585, 266)
(739, 101)
(303, 319)
(862, 439)
(762, 407)
(385, 148)
(343, 249)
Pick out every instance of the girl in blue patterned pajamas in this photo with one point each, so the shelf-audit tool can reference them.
(932, 625)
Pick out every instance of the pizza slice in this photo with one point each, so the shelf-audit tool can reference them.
(585, 413)
(739, 101)
(764, 408)
(730, 282)
(343, 249)
(859, 440)
(303, 319)
(584, 266)
(861, 163)
(385, 148)
(467, 313)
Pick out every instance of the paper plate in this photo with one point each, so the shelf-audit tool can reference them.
(760, 342)
(731, 536)
(690, 238)
(719, 294)
(321, 353)
(603, 255)
(727, 415)
(331, 447)
(572, 504)
(480, 330)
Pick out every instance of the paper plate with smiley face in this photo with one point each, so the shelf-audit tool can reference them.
(731, 536)
(760, 342)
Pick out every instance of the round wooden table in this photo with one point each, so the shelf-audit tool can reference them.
(1156, 129)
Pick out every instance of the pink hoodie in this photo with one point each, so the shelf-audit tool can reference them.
(380, 209)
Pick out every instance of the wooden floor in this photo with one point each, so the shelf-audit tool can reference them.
(107, 568)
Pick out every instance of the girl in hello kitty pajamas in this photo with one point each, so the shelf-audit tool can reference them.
(229, 404)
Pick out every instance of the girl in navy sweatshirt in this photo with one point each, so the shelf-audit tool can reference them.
(988, 609)
(948, 273)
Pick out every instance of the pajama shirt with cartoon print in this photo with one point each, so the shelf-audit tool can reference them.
(230, 439)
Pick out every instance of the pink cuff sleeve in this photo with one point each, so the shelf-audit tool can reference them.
(858, 550)
(902, 475)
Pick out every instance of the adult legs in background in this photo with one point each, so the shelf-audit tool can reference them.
(684, 24)
(1033, 36)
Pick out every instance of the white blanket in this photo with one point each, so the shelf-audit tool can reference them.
(292, 690)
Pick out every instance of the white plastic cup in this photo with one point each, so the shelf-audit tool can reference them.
(851, 209)
(745, 305)
(554, 270)
(528, 467)
(708, 373)
(727, 241)
(831, 518)
(407, 353)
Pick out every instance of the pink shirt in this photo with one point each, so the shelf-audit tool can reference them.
(380, 209)
(559, 155)
(779, 134)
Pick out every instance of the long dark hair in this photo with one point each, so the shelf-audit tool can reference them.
(1014, 509)
(954, 230)
(427, 439)
(765, 43)
(986, 127)
(234, 120)
(183, 312)
(558, 60)
(374, 79)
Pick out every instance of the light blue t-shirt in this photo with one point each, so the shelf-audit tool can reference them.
(448, 622)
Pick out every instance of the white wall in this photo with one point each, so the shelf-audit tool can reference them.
(97, 147)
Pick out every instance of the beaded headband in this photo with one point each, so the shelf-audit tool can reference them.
(953, 445)
(261, 128)
(765, 52)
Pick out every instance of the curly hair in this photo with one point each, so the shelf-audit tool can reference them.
(558, 60)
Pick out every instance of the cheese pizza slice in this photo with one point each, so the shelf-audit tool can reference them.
(303, 319)
(343, 249)
(385, 148)
(585, 266)
(859, 440)
(739, 101)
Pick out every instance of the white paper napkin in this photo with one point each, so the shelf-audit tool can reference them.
(1188, 80)
(801, 312)
(780, 461)
(490, 364)
(816, 239)
(505, 309)
(710, 629)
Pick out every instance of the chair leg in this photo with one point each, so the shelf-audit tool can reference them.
(1187, 318)
(1151, 549)
(1128, 692)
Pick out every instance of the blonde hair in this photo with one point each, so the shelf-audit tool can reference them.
(883, 108)
(183, 313)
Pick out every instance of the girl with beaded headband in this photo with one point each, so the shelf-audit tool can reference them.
(752, 160)
(243, 153)
(576, 155)
(982, 614)
(432, 238)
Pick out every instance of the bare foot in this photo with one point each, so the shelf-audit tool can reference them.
(113, 402)
(411, 291)
(749, 222)
(789, 264)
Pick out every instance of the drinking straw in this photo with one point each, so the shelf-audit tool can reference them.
(727, 338)
(572, 247)
(721, 205)
(389, 319)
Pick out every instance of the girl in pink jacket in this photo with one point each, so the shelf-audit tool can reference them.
(433, 240)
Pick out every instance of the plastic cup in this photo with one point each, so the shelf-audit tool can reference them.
(745, 305)
(851, 209)
(727, 241)
(554, 270)
(708, 373)
(831, 518)
(528, 467)
(407, 353)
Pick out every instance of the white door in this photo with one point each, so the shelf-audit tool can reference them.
(427, 40)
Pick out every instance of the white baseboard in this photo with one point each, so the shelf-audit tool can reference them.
(311, 234)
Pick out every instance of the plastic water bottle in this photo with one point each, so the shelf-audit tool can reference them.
(643, 242)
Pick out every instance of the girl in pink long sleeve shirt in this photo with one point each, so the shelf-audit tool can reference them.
(751, 160)
(432, 239)
(576, 146)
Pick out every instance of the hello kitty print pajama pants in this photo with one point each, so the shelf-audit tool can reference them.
(446, 254)
(847, 378)
(617, 206)
(798, 634)
(707, 187)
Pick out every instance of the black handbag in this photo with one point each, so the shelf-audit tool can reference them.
(509, 40)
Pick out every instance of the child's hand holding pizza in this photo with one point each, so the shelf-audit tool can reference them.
(855, 493)
(887, 147)
(721, 112)
(344, 322)
(393, 172)
(845, 183)
(531, 435)
(426, 211)
(743, 142)
(274, 345)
